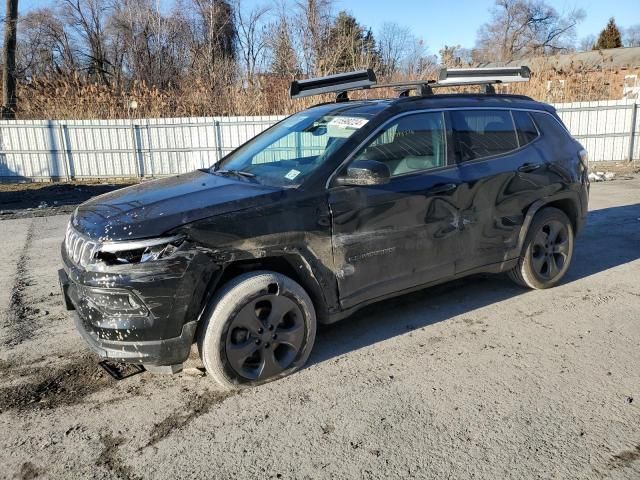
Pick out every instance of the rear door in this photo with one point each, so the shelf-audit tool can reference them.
(503, 170)
(387, 238)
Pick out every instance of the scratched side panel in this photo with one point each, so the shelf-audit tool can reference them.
(498, 196)
(392, 237)
(297, 229)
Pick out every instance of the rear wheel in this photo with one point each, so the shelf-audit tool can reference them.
(547, 250)
(261, 327)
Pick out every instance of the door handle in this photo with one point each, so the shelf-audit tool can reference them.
(529, 167)
(447, 187)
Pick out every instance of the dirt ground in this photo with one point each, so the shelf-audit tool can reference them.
(474, 379)
(20, 200)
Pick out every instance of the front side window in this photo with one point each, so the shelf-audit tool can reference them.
(482, 133)
(409, 144)
(291, 150)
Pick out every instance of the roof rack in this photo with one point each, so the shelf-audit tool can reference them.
(340, 83)
(448, 77)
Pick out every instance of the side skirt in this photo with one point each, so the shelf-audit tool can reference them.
(491, 268)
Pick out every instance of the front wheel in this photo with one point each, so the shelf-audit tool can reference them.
(261, 327)
(547, 250)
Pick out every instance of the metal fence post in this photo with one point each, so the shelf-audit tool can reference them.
(632, 130)
(65, 153)
(137, 152)
(218, 137)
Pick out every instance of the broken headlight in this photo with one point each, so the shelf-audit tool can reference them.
(138, 251)
(84, 251)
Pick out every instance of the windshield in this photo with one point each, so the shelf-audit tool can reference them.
(287, 153)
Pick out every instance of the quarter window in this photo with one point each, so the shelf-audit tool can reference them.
(482, 133)
(410, 144)
(527, 131)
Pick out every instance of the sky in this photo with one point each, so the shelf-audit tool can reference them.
(441, 23)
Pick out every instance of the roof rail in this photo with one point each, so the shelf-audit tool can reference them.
(448, 77)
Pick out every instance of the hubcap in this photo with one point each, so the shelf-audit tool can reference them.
(265, 337)
(550, 250)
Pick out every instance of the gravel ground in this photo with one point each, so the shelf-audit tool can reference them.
(474, 379)
(21, 200)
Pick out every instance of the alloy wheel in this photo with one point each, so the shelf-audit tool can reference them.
(550, 250)
(265, 337)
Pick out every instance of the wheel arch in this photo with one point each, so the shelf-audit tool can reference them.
(568, 203)
(293, 266)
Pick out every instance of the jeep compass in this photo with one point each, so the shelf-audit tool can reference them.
(340, 205)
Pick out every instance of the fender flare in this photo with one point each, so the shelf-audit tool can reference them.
(535, 207)
(301, 268)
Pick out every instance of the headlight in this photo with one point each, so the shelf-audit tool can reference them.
(584, 158)
(83, 251)
(138, 251)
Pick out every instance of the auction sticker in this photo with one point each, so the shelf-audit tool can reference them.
(293, 173)
(348, 122)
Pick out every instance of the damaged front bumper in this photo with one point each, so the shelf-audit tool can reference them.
(139, 313)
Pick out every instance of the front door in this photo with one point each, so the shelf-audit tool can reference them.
(387, 238)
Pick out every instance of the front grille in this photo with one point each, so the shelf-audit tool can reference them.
(80, 249)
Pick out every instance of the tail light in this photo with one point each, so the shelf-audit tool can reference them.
(584, 158)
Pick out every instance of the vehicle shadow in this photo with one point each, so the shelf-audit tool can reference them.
(611, 238)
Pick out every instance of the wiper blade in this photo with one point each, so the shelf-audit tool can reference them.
(237, 173)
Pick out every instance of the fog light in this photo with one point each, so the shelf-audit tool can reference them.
(115, 302)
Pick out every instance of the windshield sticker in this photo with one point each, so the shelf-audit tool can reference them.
(293, 173)
(348, 122)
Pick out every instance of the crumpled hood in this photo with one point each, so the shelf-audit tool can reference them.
(153, 208)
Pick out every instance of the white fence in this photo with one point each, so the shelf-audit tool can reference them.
(44, 150)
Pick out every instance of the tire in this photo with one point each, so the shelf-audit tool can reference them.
(547, 250)
(260, 327)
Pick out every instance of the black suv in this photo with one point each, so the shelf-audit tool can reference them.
(338, 206)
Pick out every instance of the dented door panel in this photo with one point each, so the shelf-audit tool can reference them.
(396, 236)
(498, 192)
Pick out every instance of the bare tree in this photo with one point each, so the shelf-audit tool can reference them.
(45, 47)
(418, 63)
(631, 36)
(9, 60)
(88, 18)
(284, 61)
(519, 28)
(312, 25)
(586, 43)
(455, 56)
(394, 43)
(252, 35)
(214, 41)
(147, 45)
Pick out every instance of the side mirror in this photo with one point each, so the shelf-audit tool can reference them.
(365, 172)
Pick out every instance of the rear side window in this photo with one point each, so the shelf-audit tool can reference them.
(548, 125)
(482, 133)
(527, 131)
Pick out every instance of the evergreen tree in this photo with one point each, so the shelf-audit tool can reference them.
(351, 47)
(610, 37)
